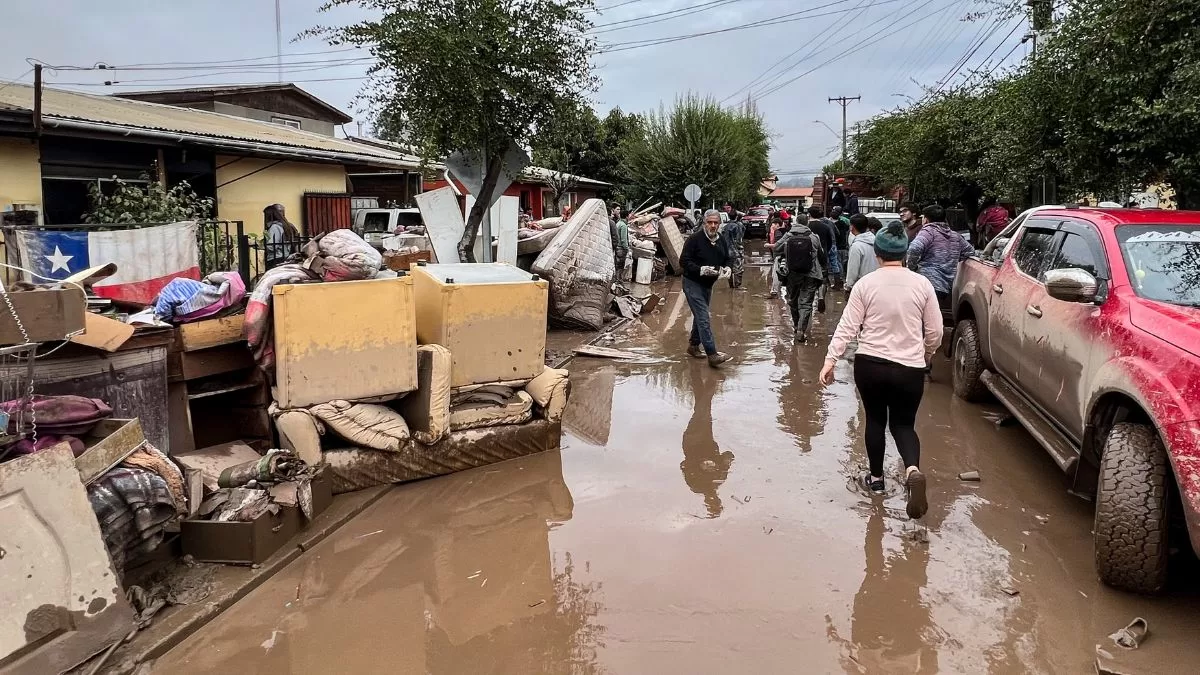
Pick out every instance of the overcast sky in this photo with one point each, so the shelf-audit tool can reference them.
(886, 47)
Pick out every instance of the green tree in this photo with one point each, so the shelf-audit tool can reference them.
(722, 150)
(147, 202)
(470, 75)
(585, 145)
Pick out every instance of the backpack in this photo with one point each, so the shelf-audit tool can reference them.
(798, 254)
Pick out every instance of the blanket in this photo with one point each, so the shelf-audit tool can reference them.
(184, 300)
(133, 507)
(258, 324)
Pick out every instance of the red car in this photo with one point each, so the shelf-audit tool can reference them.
(758, 221)
(1085, 324)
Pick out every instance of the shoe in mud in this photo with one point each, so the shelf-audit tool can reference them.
(915, 486)
(773, 296)
(871, 485)
(696, 351)
(800, 338)
(715, 360)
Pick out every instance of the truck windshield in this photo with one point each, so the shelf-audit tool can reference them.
(1163, 261)
(376, 222)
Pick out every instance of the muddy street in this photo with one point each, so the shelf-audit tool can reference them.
(705, 521)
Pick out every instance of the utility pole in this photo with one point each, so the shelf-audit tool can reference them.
(278, 44)
(37, 99)
(844, 101)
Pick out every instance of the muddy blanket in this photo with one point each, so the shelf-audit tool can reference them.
(259, 324)
(133, 507)
(183, 300)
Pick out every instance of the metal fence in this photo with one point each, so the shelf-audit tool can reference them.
(224, 245)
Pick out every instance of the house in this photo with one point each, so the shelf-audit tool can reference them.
(533, 187)
(768, 185)
(242, 162)
(282, 103)
(795, 199)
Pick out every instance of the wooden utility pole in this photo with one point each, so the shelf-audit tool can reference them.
(844, 101)
(37, 99)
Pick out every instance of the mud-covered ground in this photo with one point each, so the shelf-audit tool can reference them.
(704, 521)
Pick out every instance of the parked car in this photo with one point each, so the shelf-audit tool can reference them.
(885, 217)
(375, 225)
(758, 220)
(1085, 324)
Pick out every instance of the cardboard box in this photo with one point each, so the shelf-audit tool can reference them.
(108, 444)
(492, 318)
(253, 542)
(47, 315)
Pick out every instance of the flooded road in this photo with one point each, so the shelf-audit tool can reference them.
(705, 521)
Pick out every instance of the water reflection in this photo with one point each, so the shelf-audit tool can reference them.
(704, 466)
(452, 575)
(891, 629)
(589, 409)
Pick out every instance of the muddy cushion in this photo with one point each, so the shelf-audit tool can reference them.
(489, 407)
(550, 391)
(427, 410)
(364, 424)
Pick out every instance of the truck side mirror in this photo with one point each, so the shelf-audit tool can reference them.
(1072, 285)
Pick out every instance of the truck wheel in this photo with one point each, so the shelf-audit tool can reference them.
(968, 363)
(1131, 510)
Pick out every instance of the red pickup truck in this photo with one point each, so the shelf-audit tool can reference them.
(1085, 324)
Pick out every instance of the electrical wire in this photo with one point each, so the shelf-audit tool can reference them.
(943, 34)
(950, 76)
(812, 49)
(104, 66)
(790, 17)
(862, 45)
(20, 77)
(641, 20)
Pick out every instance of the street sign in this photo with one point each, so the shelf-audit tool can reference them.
(692, 193)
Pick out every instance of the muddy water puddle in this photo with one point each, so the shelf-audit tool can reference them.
(706, 521)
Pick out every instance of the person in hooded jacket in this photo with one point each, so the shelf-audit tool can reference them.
(862, 259)
(936, 252)
(804, 277)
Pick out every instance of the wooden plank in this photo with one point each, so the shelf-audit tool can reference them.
(180, 416)
(605, 352)
(111, 442)
(215, 361)
(46, 315)
(211, 332)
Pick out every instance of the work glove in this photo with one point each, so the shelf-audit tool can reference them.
(725, 273)
(709, 271)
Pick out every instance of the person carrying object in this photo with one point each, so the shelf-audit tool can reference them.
(894, 313)
(801, 268)
(705, 258)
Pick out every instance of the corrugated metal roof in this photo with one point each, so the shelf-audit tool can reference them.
(792, 192)
(134, 115)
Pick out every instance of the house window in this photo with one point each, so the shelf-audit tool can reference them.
(285, 121)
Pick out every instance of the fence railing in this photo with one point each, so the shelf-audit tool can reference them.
(224, 245)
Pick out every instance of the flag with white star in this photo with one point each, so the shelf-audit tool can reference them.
(147, 258)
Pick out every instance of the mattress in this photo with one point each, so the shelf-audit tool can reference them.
(579, 266)
(537, 243)
(672, 242)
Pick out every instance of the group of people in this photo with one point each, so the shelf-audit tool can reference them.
(897, 280)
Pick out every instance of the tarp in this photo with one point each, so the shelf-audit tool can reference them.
(147, 258)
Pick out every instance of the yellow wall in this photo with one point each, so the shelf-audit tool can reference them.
(20, 173)
(284, 183)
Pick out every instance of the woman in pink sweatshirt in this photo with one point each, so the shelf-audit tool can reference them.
(894, 313)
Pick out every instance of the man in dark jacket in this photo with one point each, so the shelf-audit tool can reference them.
(705, 258)
(804, 278)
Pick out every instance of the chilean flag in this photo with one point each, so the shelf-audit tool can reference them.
(146, 257)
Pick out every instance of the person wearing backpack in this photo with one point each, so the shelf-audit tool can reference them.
(801, 269)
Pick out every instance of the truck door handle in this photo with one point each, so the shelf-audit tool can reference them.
(997, 288)
(1034, 311)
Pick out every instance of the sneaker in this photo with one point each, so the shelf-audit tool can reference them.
(915, 485)
(715, 360)
(696, 351)
(872, 485)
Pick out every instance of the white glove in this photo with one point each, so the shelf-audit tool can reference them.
(709, 271)
(726, 273)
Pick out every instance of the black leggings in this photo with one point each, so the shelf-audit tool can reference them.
(890, 393)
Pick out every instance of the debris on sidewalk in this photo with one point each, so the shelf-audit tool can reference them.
(969, 476)
(605, 352)
(1133, 634)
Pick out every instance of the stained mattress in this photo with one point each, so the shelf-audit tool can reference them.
(579, 266)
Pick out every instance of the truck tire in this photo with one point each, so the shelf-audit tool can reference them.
(1131, 510)
(968, 363)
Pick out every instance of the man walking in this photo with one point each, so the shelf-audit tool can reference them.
(705, 258)
(800, 249)
(841, 226)
(619, 231)
(936, 252)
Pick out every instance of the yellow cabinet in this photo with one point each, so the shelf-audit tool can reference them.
(344, 340)
(491, 316)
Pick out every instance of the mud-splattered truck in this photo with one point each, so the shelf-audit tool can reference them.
(1085, 324)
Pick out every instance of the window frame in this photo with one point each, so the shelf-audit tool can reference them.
(1041, 226)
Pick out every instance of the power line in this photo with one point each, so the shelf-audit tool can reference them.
(782, 18)
(950, 76)
(130, 66)
(862, 45)
(640, 21)
(922, 61)
(826, 36)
